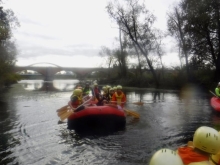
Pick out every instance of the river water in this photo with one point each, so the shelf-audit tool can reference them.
(31, 133)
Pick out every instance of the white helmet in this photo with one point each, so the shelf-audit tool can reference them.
(215, 158)
(207, 139)
(104, 89)
(165, 157)
(111, 89)
(119, 87)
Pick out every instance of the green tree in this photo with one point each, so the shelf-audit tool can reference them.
(121, 54)
(7, 46)
(136, 23)
(108, 54)
(176, 27)
(117, 56)
(203, 28)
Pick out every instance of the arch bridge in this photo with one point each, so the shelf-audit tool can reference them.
(49, 72)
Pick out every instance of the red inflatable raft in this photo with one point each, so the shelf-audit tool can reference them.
(97, 118)
(215, 103)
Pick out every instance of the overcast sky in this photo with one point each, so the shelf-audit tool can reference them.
(71, 32)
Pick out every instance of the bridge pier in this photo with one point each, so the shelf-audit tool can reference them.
(48, 79)
(48, 75)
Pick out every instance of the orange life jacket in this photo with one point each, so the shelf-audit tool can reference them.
(120, 99)
(188, 155)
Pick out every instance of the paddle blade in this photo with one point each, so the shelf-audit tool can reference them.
(138, 103)
(132, 113)
(66, 115)
(61, 112)
(63, 108)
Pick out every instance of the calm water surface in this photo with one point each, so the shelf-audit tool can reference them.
(31, 134)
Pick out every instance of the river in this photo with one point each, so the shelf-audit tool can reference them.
(32, 135)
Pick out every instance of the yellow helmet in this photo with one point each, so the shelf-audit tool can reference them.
(207, 139)
(119, 87)
(165, 157)
(77, 92)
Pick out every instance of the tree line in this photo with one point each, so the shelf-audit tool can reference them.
(8, 51)
(194, 24)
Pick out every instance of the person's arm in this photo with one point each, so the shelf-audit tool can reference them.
(113, 99)
(217, 92)
(123, 100)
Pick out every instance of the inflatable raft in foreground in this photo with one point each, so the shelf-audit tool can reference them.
(215, 103)
(97, 118)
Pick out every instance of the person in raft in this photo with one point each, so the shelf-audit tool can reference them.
(86, 90)
(206, 141)
(119, 98)
(217, 90)
(102, 97)
(96, 92)
(111, 92)
(165, 156)
(215, 158)
(76, 100)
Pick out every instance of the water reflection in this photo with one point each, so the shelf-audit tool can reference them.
(7, 139)
(87, 149)
(56, 85)
(152, 96)
(30, 133)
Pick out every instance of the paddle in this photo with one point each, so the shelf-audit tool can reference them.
(132, 113)
(138, 103)
(129, 112)
(214, 94)
(64, 108)
(86, 98)
(69, 110)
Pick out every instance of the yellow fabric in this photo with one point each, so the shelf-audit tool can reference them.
(215, 158)
(80, 100)
(118, 97)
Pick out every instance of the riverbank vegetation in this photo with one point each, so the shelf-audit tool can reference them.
(196, 29)
(137, 58)
(7, 47)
